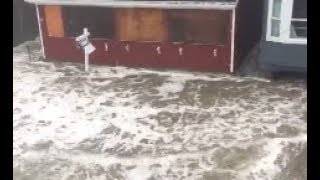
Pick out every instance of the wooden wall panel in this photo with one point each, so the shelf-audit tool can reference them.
(199, 26)
(141, 24)
(54, 21)
(143, 54)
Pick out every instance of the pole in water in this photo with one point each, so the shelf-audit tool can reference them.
(88, 48)
(86, 61)
(29, 52)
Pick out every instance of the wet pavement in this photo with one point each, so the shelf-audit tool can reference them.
(130, 123)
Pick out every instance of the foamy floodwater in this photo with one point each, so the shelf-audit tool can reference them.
(139, 124)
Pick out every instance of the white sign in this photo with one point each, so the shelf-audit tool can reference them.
(89, 49)
(84, 42)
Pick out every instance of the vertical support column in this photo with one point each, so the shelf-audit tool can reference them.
(233, 20)
(54, 21)
(40, 19)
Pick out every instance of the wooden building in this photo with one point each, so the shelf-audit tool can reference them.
(283, 47)
(195, 35)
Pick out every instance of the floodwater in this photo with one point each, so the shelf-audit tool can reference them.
(140, 124)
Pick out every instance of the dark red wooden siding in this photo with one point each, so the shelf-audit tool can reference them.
(213, 58)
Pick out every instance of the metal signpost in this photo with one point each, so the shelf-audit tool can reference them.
(85, 44)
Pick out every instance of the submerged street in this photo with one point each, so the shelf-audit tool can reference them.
(142, 124)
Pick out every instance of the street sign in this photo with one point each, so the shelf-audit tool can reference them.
(86, 45)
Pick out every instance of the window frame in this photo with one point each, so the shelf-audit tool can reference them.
(285, 23)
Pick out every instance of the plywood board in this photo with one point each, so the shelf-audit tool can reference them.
(199, 26)
(54, 21)
(141, 25)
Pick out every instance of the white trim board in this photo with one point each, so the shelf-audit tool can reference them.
(40, 31)
(232, 40)
(142, 4)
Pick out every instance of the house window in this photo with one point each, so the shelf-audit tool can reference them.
(99, 21)
(276, 18)
(298, 27)
(287, 22)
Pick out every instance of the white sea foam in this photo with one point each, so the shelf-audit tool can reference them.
(62, 115)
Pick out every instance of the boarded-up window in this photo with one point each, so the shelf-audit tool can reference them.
(99, 21)
(54, 21)
(198, 26)
(141, 24)
(190, 26)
